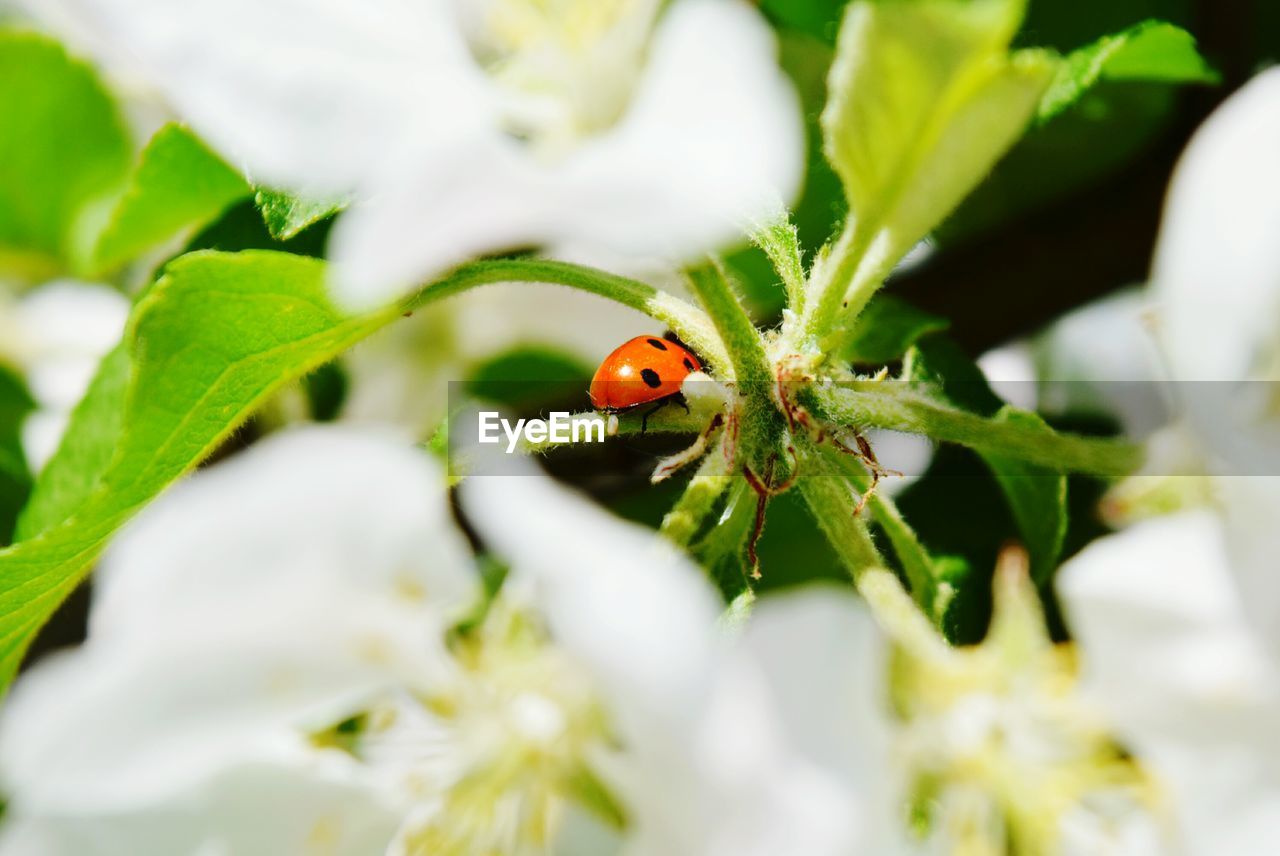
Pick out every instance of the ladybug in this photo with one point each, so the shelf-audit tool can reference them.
(644, 370)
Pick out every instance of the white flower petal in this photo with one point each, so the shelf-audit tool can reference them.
(303, 93)
(673, 179)
(293, 801)
(279, 591)
(42, 431)
(778, 759)
(628, 604)
(711, 143)
(58, 332)
(1011, 372)
(1217, 267)
(350, 509)
(446, 206)
(1103, 357)
(1251, 507)
(825, 666)
(824, 661)
(1167, 651)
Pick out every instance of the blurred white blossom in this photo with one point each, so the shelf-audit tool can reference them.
(1177, 616)
(55, 335)
(995, 745)
(275, 665)
(461, 127)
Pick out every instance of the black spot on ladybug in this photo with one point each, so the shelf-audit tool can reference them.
(650, 377)
(688, 364)
(657, 343)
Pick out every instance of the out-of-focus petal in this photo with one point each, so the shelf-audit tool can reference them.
(1169, 657)
(1166, 647)
(824, 663)
(350, 509)
(277, 592)
(1217, 268)
(764, 770)
(1251, 507)
(628, 604)
(303, 94)
(712, 141)
(1103, 358)
(1011, 371)
(673, 179)
(58, 332)
(292, 802)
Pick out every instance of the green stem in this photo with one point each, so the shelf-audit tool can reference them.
(833, 504)
(721, 550)
(710, 482)
(781, 243)
(740, 336)
(899, 618)
(669, 420)
(921, 570)
(689, 323)
(837, 274)
(899, 407)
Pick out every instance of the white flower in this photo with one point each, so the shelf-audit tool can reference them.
(272, 668)
(462, 127)
(1177, 616)
(55, 336)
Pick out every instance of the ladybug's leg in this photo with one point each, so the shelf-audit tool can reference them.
(644, 422)
(678, 398)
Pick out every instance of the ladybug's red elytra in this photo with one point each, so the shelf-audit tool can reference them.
(644, 370)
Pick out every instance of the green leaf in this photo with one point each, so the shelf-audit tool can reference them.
(1105, 131)
(63, 146)
(886, 330)
(940, 363)
(287, 215)
(924, 97)
(1151, 51)
(177, 184)
(15, 480)
(1037, 496)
